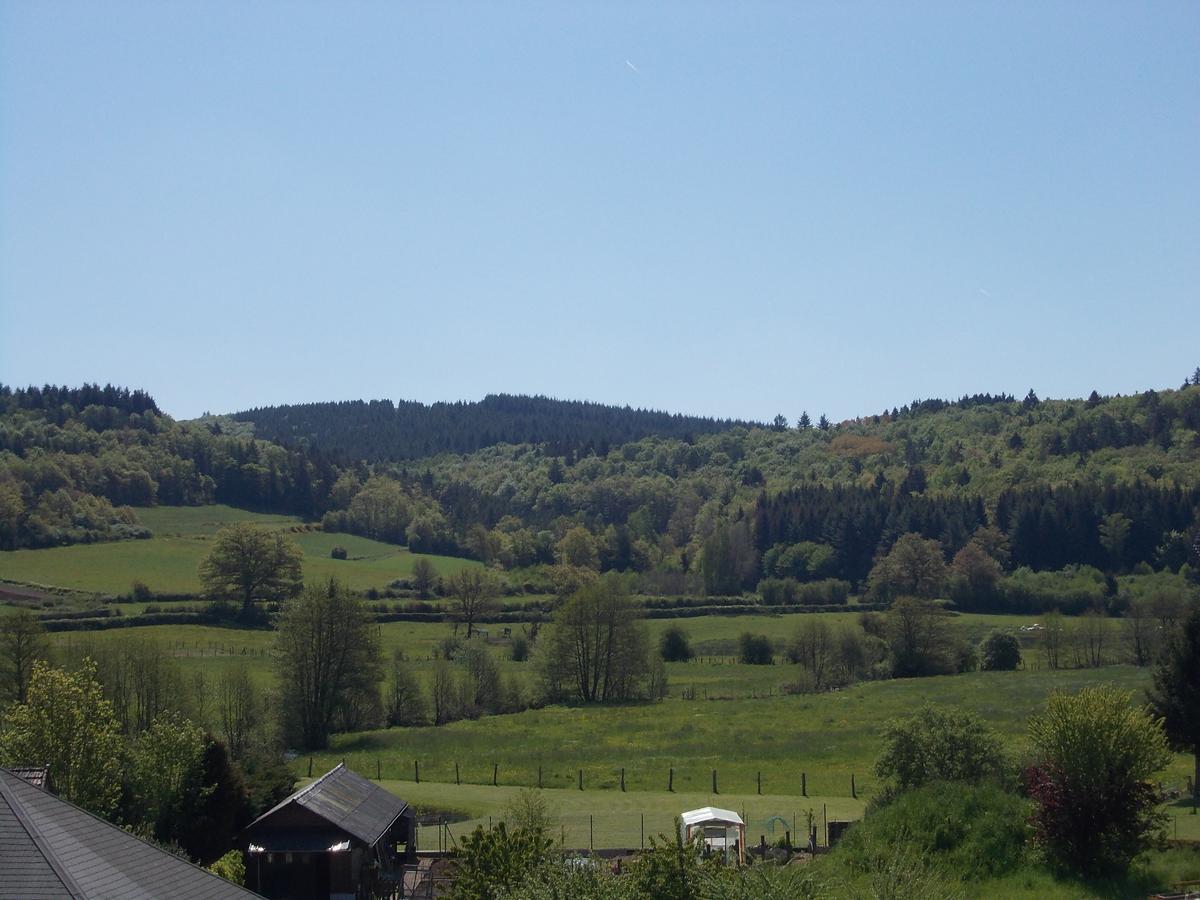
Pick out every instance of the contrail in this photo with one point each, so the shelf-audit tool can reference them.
(633, 67)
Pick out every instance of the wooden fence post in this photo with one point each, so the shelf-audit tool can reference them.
(622, 778)
(495, 774)
(803, 784)
(760, 782)
(378, 770)
(853, 789)
(417, 771)
(671, 781)
(581, 779)
(715, 791)
(457, 780)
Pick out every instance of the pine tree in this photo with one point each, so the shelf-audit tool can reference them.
(804, 422)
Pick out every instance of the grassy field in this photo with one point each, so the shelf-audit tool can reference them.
(168, 562)
(827, 736)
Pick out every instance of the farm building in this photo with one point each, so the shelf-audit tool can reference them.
(723, 831)
(50, 848)
(338, 838)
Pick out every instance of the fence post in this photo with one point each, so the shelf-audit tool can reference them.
(495, 774)
(671, 781)
(417, 771)
(853, 789)
(715, 791)
(310, 767)
(378, 770)
(803, 784)
(456, 778)
(622, 778)
(581, 779)
(760, 782)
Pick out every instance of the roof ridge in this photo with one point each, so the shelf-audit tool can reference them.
(316, 781)
(35, 834)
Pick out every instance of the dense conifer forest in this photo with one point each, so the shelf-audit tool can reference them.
(383, 431)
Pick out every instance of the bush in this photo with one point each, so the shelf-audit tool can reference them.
(520, 649)
(1095, 808)
(755, 649)
(338, 552)
(674, 646)
(140, 591)
(231, 867)
(939, 744)
(968, 832)
(1001, 653)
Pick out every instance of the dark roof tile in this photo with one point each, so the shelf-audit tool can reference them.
(47, 845)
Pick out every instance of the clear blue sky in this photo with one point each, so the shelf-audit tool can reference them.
(733, 209)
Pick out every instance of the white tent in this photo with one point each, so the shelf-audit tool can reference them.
(715, 825)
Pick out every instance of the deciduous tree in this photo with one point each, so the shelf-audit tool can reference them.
(67, 724)
(474, 591)
(250, 563)
(22, 643)
(597, 649)
(914, 567)
(327, 648)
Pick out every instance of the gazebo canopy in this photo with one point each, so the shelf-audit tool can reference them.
(711, 815)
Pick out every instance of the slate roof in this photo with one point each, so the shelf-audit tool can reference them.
(38, 776)
(344, 798)
(50, 848)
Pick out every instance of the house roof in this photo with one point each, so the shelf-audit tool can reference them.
(50, 848)
(710, 814)
(345, 799)
(38, 776)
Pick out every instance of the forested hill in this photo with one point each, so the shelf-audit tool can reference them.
(383, 431)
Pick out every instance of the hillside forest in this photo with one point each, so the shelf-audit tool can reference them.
(1032, 503)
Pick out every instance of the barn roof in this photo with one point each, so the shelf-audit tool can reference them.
(345, 799)
(50, 848)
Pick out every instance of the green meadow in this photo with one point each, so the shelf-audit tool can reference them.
(168, 562)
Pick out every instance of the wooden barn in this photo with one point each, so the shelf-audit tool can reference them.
(341, 837)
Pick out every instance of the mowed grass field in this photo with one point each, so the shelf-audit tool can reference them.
(168, 562)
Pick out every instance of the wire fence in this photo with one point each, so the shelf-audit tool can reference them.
(767, 824)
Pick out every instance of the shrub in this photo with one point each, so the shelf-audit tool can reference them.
(520, 649)
(1001, 653)
(338, 552)
(140, 591)
(494, 862)
(674, 646)
(939, 744)
(231, 867)
(755, 649)
(1095, 809)
(968, 832)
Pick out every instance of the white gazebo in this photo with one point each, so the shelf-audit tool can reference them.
(716, 825)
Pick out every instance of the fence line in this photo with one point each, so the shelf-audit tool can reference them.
(634, 830)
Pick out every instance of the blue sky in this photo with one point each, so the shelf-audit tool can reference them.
(726, 209)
